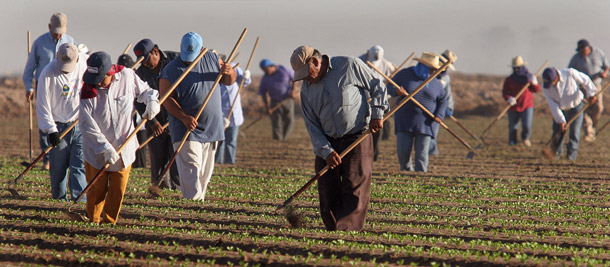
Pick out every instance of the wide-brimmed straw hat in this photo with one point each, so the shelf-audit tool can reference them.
(518, 62)
(432, 60)
(448, 54)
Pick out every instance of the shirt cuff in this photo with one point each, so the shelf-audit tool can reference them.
(377, 113)
(51, 130)
(29, 90)
(324, 152)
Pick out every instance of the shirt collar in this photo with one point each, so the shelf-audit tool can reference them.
(330, 64)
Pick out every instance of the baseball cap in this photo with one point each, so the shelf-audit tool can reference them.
(125, 60)
(266, 63)
(143, 48)
(582, 43)
(298, 61)
(190, 46)
(59, 23)
(548, 76)
(98, 64)
(67, 55)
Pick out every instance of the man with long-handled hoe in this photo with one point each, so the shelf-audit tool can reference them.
(562, 88)
(57, 105)
(336, 111)
(106, 102)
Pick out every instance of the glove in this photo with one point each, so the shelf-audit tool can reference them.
(152, 109)
(53, 139)
(448, 113)
(247, 75)
(110, 156)
(511, 101)
(533, 80)
(227, 123)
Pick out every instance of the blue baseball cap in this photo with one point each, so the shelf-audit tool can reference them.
(143, 48)
(190, 46)
(548, 76)
(266, 63)
(98, 64)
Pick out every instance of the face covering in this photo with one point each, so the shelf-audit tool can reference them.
(422, 71)
(520, 75)
(375, 55)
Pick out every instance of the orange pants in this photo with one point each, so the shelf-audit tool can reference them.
(105, 197)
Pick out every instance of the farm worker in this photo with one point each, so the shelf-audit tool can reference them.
(562, 88)
(225, 154)
(43, 52)
(57, 105)
(106, 102)
(446, 82)
(593, 62)
(160, 148)
(413, 127)
(196, 158)
(140, 162)
(375, 56)
(278, 84)
(334, 99)
(522, 107)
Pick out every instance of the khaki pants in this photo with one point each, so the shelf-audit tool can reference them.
(593, 114)
(105, 198)
(195, 163)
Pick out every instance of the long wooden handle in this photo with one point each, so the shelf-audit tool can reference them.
(152, 136)
(241, 83)
(205, 102)
(46, 151)
(402, 65)
(127, 49)
(556, 135)
(366, 133)
(516, 97)
(29, 38)
(603, 127)
(144, 120)
(464, 128)
(424, 109)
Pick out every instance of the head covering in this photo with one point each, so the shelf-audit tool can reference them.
(67, 55)
(517, 62)
(582, 43)
(190, 46)
(520, 75)
(298, 61)
(548, 76)
(59, 23)
(432, 60)
(266, 63)
(448, 54)
(125, 60)
(98, 64)
(375, 55)
(143, 48)
(422, 71)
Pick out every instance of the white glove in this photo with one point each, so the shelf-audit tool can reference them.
(110, 156)
(246, 75)
(152, 109)
(533, 80)
(227, 123)
(511, 101)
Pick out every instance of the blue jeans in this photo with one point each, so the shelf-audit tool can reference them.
(225, 154)
(68, 155)
(433, 150)
(44, 144)
(526, 117)
(574, 136)
(404, 143)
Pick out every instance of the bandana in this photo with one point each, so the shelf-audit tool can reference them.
(89, 90)
(521, 75)
(422, 71)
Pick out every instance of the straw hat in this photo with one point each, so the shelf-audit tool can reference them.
(518, 62)
(432, 60)
(448, 54)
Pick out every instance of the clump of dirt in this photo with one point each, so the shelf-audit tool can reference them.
(295, 218)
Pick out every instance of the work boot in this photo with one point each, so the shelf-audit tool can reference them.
(527, 143)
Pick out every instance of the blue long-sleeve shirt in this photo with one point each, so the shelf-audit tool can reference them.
(411, 118)
(43, 52)
(337, 104)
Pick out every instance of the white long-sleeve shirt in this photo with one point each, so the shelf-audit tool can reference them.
(567, 94)
(58, 94)
(105, 120)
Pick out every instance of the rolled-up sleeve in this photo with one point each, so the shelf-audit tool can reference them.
(321, 145)
(377, 90)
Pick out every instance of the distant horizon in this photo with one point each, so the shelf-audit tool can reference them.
(485, 35)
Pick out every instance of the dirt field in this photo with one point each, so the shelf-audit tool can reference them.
(507, 206)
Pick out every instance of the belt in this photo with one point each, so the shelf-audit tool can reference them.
(351, 135)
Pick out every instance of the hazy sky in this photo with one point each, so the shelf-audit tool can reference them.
(485, 34)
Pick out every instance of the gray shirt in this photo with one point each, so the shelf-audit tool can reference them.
(592, 65)
(337, 104)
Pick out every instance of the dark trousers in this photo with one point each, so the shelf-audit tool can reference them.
(161, 152)
(282, 119)
(141, 153)
(345, 191)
